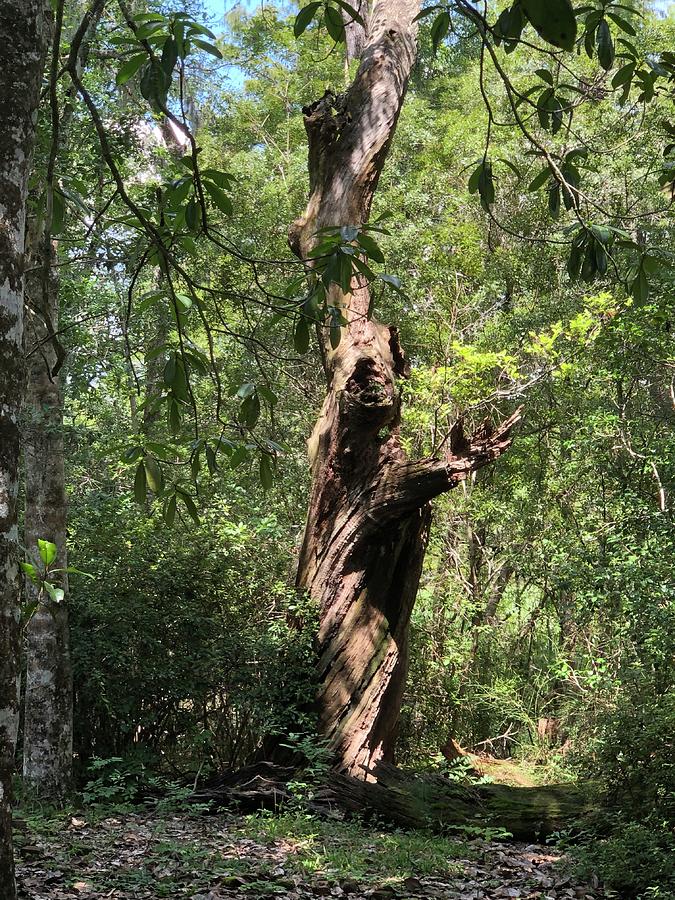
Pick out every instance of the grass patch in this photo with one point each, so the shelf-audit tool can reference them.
(351, 850)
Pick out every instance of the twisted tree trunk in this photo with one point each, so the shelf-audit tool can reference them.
(369, 511)
(48, 719)
(23, 33)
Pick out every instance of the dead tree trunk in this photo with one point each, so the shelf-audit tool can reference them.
(369, 509)
(48, 719)
(23, 34)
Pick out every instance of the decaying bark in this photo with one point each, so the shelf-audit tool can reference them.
(526, 813)
(23, 33)
(48, 719)
(369, 510)
(422, 801)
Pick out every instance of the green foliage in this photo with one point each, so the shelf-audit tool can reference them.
(183, 647)
(547, 592)
(631, 750)
(636, 861)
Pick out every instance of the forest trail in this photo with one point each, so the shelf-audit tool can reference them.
(177, 855)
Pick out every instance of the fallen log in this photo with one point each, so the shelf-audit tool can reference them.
(409, 799)
(433, 801)
(262, 785)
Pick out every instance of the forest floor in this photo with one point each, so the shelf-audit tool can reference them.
(126, 854)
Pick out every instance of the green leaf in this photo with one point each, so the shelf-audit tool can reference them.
(553, 20)
(197, 28)
(304, 17)
(301, 336)
(129, 69)
(624, 75)
(474, 178)
(514, 168)
(510, 27)
(246, 390)
(189, 505)
(539, 179)
(556, 115)
(392, 280)
(173, 415)
(486, 186)
(545, 107)
(349, 9)
(211, 461)
(622, 23)
(640, 287)
(605, 46)
(602, 233)
(334, 24)
(268, 395)
(266, 473)
(131, 454)
(140, 484)
(55, 593)
(169, 56)
(574, 262)
(238, 456)
(155, 84)
(545, 75)
(588, 268)
(170, 511)
(249, 411)
(47, 551)
(196, 464)
(71, 570)
(30, 570)
(429, 11)
(219, 197)
(439, 29)
(170, 370)
(651, 264)
(600, 258)
(192, 217)
(153, 474)
(208, 48)
(371, 248)
(554, 200)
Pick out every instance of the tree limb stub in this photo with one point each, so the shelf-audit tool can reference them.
(408, 485)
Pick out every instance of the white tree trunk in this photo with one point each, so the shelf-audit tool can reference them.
(23, 37)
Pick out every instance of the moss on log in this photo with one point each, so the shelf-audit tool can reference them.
(411, 800)
(417, 801)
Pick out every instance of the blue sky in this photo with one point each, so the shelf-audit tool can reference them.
(217, 8)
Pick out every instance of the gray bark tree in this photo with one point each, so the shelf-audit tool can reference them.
(23, 39)
(48, 716)
(369, 510)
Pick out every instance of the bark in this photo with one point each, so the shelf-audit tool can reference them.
(429, 801)
(369, 509)
(48, 719)
(23, 34)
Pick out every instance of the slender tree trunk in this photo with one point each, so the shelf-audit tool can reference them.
(23, 33)
(48, 719)
(369, 509)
